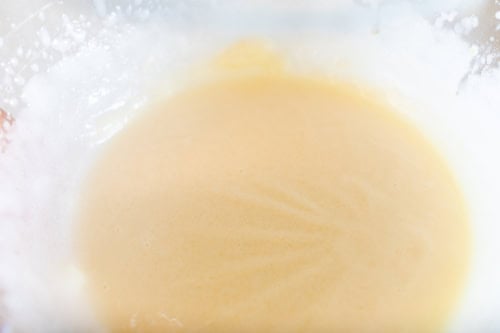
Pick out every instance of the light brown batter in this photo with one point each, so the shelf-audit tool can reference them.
(272, 203)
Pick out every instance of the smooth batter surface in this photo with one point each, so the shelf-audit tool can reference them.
(272, 203)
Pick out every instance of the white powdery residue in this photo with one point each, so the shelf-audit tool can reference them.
(466, 25)
(111, 20)
(129, 10)
(61, 45)
(479, 118)
(74, 30)
(445, 17)
(140, 103)
(100, 7)
(35, 68)
(9, 70)
(490, 58)
(474, 50)
(144, 14)
(497, 15)
(37, 163)
(100, 92)
(19, 80)
(13, 102)
(44, 55)
(68, 26)
(44, 36)
(1, 42)
(79, 35)
(369, 3)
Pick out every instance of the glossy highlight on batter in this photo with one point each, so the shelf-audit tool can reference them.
(266, 201)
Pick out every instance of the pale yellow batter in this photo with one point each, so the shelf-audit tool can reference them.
(268, 202)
